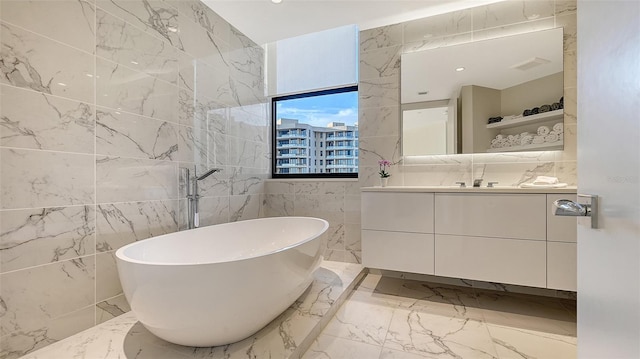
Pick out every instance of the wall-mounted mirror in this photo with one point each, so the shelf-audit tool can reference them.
(498, 95)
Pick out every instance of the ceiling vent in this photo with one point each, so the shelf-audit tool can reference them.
(529, 64)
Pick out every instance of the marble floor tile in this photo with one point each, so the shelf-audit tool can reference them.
(522, 343)
(382, 318)
(329, 347)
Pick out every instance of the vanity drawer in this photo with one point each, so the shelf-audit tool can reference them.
(561, 228)
(511, 261)
(404, 212)
(562, 266)
(521, 216)
(399, 251)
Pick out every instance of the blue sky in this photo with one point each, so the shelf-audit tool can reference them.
(320, 110)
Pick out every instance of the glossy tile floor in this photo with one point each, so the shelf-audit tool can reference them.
(402, 319)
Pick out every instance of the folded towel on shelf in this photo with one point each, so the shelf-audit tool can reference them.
(545, 108)
(537, 140)
(555, 106)
(527, 113)
(526, 134)
(550, 138)
(543, 130)
(499, 137)
(545, 180)
(535, 110)
(558, 127)
(526, 140)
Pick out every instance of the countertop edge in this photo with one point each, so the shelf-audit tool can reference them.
(426, 189)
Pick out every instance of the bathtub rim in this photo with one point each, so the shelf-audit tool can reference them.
(119, 253)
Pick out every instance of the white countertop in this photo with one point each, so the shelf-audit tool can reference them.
(454, 189)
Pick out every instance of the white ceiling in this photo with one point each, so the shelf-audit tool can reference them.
(264, 22)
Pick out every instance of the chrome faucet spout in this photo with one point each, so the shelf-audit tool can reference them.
(208, 173)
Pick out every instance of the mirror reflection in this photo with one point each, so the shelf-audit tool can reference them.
(497, 95)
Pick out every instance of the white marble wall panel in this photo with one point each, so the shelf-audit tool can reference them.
(244, 207)
(380, 63)
(125, 179)
(121, 88)
(155, 17)
(214, 210)
(380, 37)
(511, 12)
(123, 43)
(514, 29)
(186, 107)
(33, 297)
(452, 23)
(248, 122)
(379, 121)
(374, 149)
(202, 45)
(566, 7)
(35, 120)
(107, 280)
(32, 179)
(212, 84)
(19, 343)
(513, 174)
(33, 61)
(244, 182)
(128, 135)
(119, 224)
(111, 308)
(204, 16)
(383, 92)
(193, 144)
(70, 22)
(244, 153)
(32, 237)
(279, 205)
(186, 71)
(436, 42)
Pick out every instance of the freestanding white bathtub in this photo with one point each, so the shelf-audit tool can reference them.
(220, 284)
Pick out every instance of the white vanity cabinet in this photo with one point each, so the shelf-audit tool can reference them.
(397, 231)
(491, 237)
(562, 247)
(479, 234)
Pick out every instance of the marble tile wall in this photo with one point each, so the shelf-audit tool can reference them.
(101, 103)
(379, 114)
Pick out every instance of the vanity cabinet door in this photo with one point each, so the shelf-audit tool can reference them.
(562, 266)
(560, 228)
(399, 251)
(402, 212)
(521, 216)
(510, 261)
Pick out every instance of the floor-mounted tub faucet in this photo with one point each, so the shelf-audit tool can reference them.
(193, 196)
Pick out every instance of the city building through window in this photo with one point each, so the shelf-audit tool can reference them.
(316, 134)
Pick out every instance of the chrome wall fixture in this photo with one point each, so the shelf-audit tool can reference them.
(192, 194)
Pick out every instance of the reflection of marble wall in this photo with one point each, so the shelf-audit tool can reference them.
(101, 103)
(379, 118)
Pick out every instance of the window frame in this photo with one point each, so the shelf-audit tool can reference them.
(274, 135)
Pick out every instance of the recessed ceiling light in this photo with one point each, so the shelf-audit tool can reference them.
(276, 1)
(134, 62)
(460, 69)
(62, 84)
(172, 29)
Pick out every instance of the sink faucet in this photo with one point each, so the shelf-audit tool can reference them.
(462, 184)
(477, 182)
(193, 196)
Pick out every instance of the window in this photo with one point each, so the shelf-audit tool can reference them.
(332, 115)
